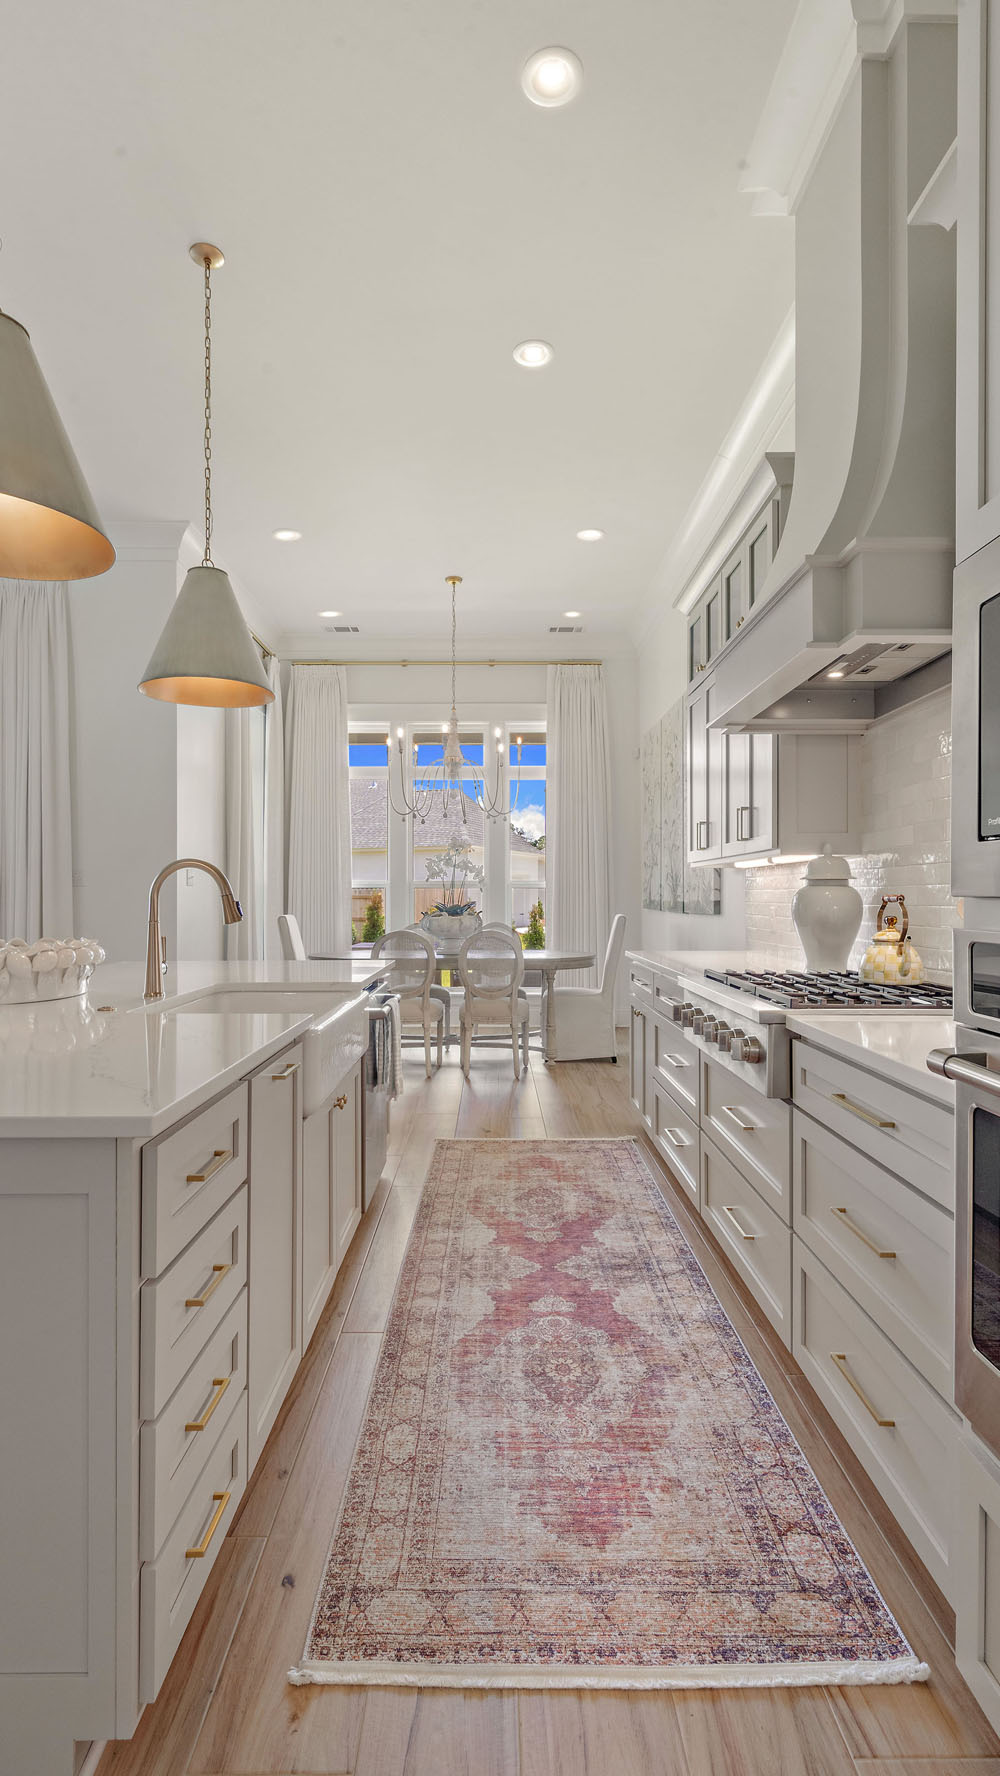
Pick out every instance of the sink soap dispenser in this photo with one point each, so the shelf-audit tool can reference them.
(826, 913)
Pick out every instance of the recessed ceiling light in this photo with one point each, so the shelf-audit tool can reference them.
(331, 613)
(287, 536)
(590, 536)
(552, 76)
(571, 613)
(533, 354)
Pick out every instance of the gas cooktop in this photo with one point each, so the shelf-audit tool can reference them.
(799, 992)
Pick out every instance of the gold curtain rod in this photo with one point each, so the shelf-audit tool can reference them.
(268, 653)
(443, 662)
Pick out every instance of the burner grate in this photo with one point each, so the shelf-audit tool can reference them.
(794, 990)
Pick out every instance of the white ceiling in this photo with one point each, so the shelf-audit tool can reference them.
(396, 217)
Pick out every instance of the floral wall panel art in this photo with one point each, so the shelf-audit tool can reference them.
(669, 884)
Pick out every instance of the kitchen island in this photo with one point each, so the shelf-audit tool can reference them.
(179, 1183)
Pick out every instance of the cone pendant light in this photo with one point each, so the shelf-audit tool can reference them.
(49, 527)
(206, 654)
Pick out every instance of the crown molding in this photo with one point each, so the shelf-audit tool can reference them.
(826, 44)
(147, 539)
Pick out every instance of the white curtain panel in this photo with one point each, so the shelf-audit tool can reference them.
(244, 839)
(36, 848)
(578, 854)
(319, 808)
(275, 859)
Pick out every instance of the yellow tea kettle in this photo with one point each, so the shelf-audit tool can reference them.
(890, 958)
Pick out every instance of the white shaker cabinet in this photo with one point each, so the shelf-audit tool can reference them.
(275, 1240)
(703, 749)
(977, 440)
(331, 1193)
(749, 794)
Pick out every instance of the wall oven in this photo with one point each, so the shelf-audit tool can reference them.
(974, 1066)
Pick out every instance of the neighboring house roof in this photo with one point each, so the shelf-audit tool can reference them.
(369, 822)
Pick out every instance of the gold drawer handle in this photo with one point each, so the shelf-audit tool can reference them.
(676, 1138)
(745, 1128)
(839, 1357)
(876, 1122)
(223, 1499)
(200, 1300)
(863, 1237)
(338, 1103)
(740, 1230)
(287, 1070)
(220, 1383)
(220, 1157)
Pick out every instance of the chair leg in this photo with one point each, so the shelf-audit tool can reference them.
(427, 1050)
(514, 1034)
(440, 1041)
(524, 1043)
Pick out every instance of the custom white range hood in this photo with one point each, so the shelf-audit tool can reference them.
(861, 583)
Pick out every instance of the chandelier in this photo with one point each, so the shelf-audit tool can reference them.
(453, 778)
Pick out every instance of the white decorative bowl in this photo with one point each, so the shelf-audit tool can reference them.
(52, 968)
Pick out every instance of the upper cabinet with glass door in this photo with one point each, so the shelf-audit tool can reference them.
(732, 596)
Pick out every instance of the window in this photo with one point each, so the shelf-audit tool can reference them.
(368, 758)
(526, 851)
(411, 862)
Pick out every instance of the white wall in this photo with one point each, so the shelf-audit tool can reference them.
(124, 766)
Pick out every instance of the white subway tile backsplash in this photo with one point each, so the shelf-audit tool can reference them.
(906, 818)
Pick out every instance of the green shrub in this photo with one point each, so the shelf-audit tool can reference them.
(374, 925)
(534, 937)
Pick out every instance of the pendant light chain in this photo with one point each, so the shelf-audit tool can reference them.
(207, 559)
(454, 644)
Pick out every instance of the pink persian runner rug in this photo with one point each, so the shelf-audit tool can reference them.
(570, 1472)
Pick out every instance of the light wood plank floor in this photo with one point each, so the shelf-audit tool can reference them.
(225, 1709)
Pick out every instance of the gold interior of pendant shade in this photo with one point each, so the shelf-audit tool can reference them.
(37, 543)
(207, 693)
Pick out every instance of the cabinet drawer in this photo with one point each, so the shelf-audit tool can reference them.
(640, 981)
(676, 1136)
(891, 1248)
(180, 1310)
(893, 1126)
(189, 1174)
(666, 991)
(674, 1061)
(170, 1586)
(754, 1131)
(753, 1237)
(900, 1430)
(172, 1451)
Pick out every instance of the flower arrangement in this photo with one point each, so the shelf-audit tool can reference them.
(454, 869)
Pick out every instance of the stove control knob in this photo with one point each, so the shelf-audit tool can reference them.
(727, 1038)
(709, 1028)
(748, 1048)
(720, 1034)
(684, 1015)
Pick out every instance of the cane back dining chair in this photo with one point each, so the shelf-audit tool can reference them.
(413, 964)
(491, 968)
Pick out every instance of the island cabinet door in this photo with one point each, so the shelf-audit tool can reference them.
(331, 1194)
(275, 1343)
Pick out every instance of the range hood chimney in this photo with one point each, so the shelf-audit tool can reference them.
(861, 581)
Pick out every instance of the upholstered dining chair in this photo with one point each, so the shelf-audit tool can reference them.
(582, 1019)
(491, 969)
(292, 947)
(413, 964)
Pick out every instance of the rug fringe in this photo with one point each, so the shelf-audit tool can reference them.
(676, 1677)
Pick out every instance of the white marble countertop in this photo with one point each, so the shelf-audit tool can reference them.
(107, 1065)
(894, 1044)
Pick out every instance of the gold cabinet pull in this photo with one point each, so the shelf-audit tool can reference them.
(745, 1128)
(220, 1157)
(287, 1070)
(220, 1383)
(876, 1122)
(840, 1358)
(338, 1103)
(863, 1237)
(676, 1138)
(219, 1271)
(222, 1499)
(740, 1230)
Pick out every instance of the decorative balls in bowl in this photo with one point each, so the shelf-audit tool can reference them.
(52, 968)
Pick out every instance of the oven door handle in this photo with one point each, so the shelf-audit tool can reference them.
(965, 1069)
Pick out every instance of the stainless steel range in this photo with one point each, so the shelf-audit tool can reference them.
(738, 1016)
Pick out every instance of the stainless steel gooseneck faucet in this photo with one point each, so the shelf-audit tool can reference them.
(232, 913)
